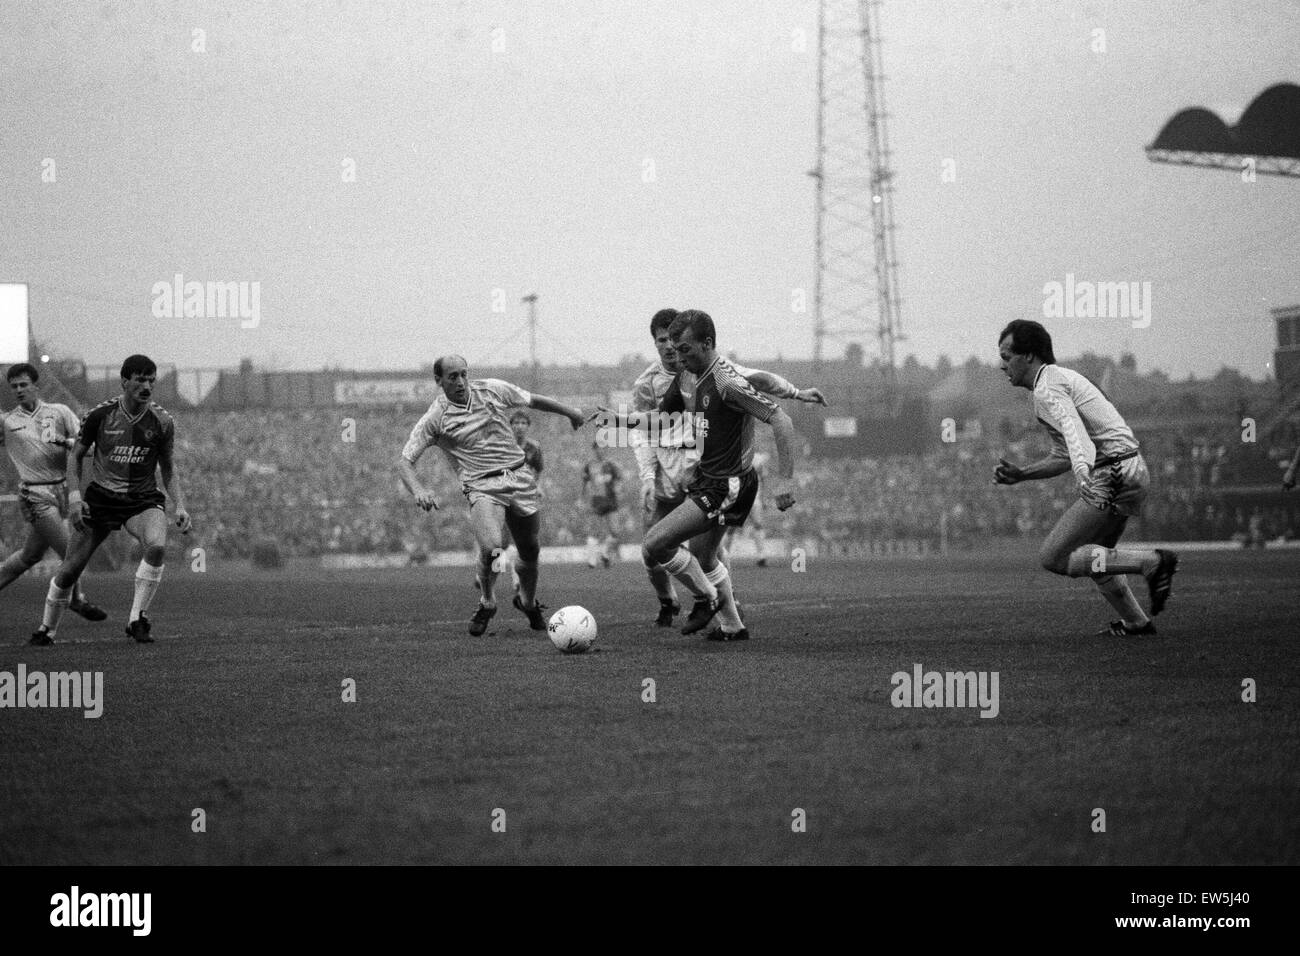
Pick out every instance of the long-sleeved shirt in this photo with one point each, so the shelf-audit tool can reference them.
(1084, 425)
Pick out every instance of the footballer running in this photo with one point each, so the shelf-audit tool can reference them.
(666, 466)
(469, 422)
(37, 436)
(723, 407)
(132, 438)
(1091, 439)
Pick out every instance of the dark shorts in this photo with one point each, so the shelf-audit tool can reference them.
(603, 506)
(725, 500)
(110, 511)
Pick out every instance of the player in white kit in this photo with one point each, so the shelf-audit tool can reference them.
(1090, 438)
(37, 436)
(470, 423)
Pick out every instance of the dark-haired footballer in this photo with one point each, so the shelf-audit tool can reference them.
(667, 463)
(1091, 439)
(468, 421)
(724, 406)
(132, 438)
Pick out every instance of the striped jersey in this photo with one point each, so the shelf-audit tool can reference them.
(476, 436)
(1084, 425)
(127, 447)
(31, 439)
(724, 406)
(648, 393)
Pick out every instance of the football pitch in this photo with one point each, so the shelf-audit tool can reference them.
(786, 749)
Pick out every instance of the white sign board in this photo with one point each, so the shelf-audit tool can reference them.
(840, 427)
(13, 322)
(386, 391)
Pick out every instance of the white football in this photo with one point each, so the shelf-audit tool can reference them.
(572, 629)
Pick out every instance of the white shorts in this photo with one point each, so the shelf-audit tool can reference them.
(40, 501)
(515, 490)
(675, 471)
(1118, 488)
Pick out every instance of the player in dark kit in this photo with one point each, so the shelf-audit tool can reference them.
(532, 448)
(724, 408)
(603, 478)
(132, 439)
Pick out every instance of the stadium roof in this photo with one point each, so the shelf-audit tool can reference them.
(1268, 131)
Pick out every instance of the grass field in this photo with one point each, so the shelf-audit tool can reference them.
(237, 710)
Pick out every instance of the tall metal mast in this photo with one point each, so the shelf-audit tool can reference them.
(856, 259)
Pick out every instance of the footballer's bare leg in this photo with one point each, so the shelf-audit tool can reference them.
(663, 546)
(526, 529)
(53, 531)
(81, 549)
(708, 550)
(23, 560)
(1082, 545)
(660, 580)
(487, 518)
(150, 529)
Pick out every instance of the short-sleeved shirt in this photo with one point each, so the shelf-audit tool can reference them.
(476, 436)
(725, 406)
(127, 447)
(1085, 427)
(31, 439)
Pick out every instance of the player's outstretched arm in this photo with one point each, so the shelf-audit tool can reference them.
(543, 404)
(1007, 473)
(769, 383)
(423, 496)
(172, 485)
(783, 433)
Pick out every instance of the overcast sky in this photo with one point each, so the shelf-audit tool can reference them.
(522, 168)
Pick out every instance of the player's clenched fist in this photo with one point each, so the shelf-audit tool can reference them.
(1006, 473)
(784, 498)
(425, 499)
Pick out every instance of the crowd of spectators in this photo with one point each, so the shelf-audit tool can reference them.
(323, 481)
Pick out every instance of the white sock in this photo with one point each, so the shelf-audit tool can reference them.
(1118, 595)
(685, 568)
(661, 582)
(146, 585)
(56, 602)
(728, 616)
(1094, 561)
